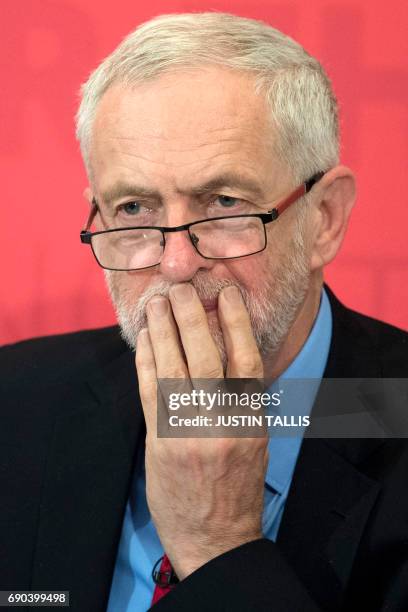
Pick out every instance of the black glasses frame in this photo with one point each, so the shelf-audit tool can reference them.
(271, 215)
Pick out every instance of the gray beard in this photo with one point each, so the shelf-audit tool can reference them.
(272, 310)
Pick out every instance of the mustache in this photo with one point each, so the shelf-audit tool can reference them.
(207, 288)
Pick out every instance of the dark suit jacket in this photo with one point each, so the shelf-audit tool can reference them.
(71, 422)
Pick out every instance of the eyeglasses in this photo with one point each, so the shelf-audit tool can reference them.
(230, 237)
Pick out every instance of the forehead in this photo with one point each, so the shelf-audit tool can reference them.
(184, 122)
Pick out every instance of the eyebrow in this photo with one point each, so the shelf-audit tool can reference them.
(230, 180)
(123, 189)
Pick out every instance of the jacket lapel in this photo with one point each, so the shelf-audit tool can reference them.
(330, 498)
(324, 518)
(86, 487)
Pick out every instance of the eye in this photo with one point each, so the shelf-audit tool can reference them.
(130, 208)
(136, 213)
(227, 201)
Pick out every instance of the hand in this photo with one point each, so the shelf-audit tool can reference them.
(205, 495)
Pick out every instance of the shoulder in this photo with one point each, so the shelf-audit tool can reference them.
(360, 337)
(382, 334)
(59, 358)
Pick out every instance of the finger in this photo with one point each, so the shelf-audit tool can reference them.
(203, 358)
(173, 379)
(146, 374)
(244, 359)
(165, 342)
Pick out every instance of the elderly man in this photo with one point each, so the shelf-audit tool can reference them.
(216, 199)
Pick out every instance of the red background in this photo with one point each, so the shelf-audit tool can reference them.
(50, 282)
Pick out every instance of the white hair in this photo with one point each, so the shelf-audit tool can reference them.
(297, 89)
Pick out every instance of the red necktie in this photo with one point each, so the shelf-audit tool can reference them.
(165, 579)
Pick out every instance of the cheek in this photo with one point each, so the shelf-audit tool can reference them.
(252, 271)
(133, 283)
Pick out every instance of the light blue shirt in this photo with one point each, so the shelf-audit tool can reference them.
(139, 549)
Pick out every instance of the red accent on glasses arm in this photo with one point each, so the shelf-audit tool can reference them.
(295, 195)
(298, 193)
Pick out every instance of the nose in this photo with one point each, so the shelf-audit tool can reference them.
(180, 261)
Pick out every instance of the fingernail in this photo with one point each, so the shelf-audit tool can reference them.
(182, 293)
(159, 305)
(232, 294)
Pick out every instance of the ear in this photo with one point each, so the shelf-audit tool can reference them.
(334, 200)
(88, 194)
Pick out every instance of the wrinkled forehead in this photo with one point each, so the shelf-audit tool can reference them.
(182, 116)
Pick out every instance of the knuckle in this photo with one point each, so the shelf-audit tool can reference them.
(163, 334)
(142, 363)
(225, 448)
(249, 364)
(205, 370)
(186, 455)
(148, 392)
(138, 360)
(193, 320)
(171, 372)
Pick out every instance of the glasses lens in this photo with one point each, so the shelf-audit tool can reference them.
(230, 237)
(128, 249)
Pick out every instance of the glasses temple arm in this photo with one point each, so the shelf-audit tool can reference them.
(91, 217)
(298, 193)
